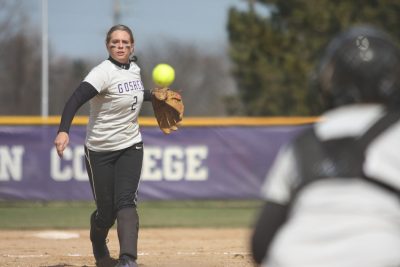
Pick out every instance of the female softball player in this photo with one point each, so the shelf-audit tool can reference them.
(113, 145)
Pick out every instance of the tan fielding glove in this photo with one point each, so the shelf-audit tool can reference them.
(168, 109)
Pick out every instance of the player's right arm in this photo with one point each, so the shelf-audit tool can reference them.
(81, 95)
(271, 217)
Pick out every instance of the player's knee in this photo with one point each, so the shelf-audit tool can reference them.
(126, 201)
(105, 221)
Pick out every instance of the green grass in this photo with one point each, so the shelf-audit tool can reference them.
(64, 215)
(57, 215)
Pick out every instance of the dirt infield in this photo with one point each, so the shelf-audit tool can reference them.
(172, 247)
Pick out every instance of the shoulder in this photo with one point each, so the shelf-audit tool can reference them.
(99, 76)
(100, 70)
(348, 121)
(281, 177)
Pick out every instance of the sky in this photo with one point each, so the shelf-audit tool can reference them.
(77, 28)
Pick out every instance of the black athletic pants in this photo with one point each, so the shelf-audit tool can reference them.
(114, 177)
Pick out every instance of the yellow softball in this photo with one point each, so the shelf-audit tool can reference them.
(163, 75)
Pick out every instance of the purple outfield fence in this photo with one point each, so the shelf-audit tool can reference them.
(193, 163)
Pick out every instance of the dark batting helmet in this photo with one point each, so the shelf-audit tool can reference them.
(360, 65)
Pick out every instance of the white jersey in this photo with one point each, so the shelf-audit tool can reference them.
(113, 120)
(340, 222)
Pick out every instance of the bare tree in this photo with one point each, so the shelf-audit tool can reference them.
(203, 78)
(65, 76)
(19, 62)
(10, 16)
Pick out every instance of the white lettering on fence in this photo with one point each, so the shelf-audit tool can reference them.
(171, 163)
(71, 166)
(11, 163)
(175, 163)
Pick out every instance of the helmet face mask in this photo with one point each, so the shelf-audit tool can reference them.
(361, 65)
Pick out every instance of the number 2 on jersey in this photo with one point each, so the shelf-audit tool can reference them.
(134, 103)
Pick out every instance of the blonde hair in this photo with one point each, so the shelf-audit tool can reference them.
(119, 27)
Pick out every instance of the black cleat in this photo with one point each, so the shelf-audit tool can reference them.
(126, 261)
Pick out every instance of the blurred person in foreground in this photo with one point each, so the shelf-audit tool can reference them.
(332, 195)
(113, 145)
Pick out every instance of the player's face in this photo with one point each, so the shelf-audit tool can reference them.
(120, 46)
